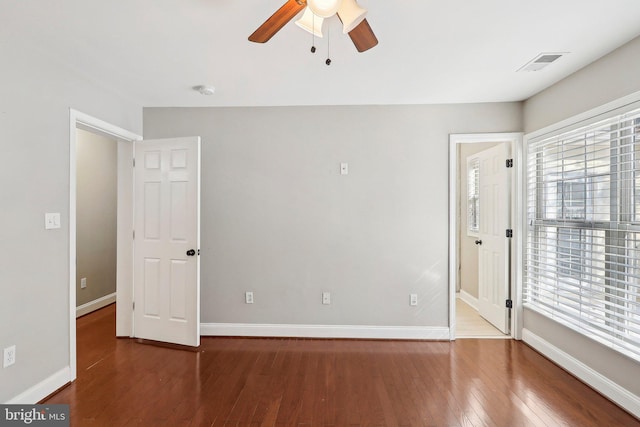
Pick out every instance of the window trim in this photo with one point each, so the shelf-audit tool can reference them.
(601, 112)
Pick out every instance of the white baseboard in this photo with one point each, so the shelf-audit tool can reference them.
(593, 378)
(43, 389)
(96, 304)
(325, 331)
(469, 299)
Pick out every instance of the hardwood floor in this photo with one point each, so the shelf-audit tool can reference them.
(297, 382)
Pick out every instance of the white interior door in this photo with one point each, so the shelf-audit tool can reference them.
(493, 245)
(167, 239)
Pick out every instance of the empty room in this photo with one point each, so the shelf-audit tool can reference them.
(320, 213)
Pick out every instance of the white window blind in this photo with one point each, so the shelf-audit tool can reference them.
(473, 195)
(582, 265)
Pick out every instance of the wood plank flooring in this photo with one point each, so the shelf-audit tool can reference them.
(297, 382)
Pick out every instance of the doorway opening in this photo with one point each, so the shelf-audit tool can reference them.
(96, 221)
(124, 217)
(481, 274)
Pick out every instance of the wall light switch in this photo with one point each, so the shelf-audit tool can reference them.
(344, 168)
(51, 220)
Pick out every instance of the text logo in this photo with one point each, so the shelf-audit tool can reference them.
(34, 415)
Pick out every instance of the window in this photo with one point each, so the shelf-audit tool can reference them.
(582, 265)
(570, 252)
(572, 203)
(473, 195)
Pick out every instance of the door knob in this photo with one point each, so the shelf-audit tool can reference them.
(478, 242)
(191, 252)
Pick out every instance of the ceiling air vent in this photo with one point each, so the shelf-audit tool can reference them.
(541, 61)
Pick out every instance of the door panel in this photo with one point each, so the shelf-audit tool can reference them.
(166, 278)
(179, 276)
(493, 252)
(152, 209)
(151, 294)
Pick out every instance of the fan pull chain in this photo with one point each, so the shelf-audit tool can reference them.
(328, 61)
(313, 34)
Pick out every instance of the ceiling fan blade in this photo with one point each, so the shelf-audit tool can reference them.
(278, 20)
(362, 36)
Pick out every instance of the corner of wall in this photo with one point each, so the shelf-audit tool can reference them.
(609, 78)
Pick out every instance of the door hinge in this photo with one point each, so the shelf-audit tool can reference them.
(134, 162)
(509, 163)
(509, 303)
(509, 233)
(134, 306)
(134, 234)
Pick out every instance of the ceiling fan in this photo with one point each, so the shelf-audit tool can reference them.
(351, 15)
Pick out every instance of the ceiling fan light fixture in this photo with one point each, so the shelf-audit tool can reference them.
(311, 23)
(351, 15)
(357, 27)
(324, 8)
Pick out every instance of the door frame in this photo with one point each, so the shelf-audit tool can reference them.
(124, 279)
(514, 139)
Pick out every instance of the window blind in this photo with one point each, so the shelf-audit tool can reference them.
(582, 263)
(473, 195)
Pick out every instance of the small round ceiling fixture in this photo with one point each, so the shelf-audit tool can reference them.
(205, 90)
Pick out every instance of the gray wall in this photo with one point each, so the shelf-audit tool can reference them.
(609, 78)
(278, 218)
(467, 249)
(36, 92)
(96, 209)
(613, 365)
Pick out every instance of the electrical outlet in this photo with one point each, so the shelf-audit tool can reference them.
(51, 220)
(326, 298)
(248, 297)
(83, 283)
(413, 300)
(9, 356)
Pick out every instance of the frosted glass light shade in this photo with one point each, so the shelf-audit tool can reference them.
(351, 15)
(311, 23)
(324, 8)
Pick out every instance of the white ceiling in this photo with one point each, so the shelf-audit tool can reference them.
(430, 51)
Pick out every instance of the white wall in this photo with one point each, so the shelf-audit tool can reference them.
(278, 218)
(612, 77)
(36, 92)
